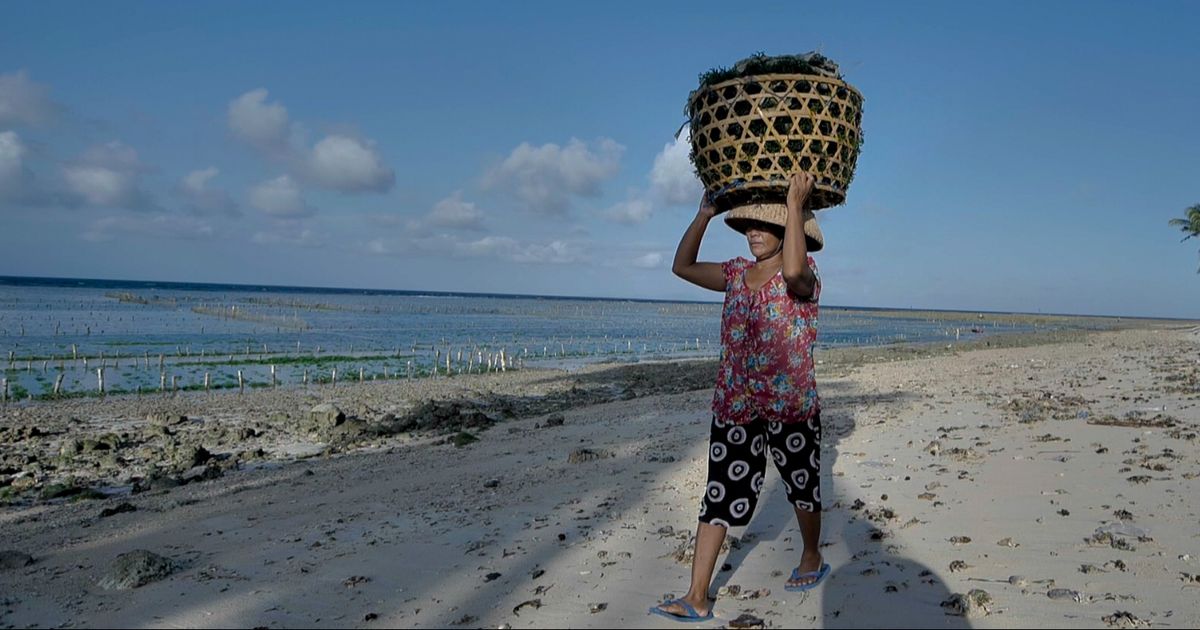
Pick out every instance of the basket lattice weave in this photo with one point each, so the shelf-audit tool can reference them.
(750, 134)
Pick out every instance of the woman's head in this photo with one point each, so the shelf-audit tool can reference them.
(768, 220)
(765, 239)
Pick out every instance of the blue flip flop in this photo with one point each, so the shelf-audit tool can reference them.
(691, 617)
(820, 575)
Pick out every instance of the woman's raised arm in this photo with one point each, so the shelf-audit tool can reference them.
(702, 274)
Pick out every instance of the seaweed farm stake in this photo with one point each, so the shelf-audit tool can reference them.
(360, 374)
(272, 375)
(333, 377)
(162, 382)
(58, 384)
(100, 380)
(3, 390)
(206, 381)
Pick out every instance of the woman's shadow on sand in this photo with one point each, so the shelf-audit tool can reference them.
(872, 584)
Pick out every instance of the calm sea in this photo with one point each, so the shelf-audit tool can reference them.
(153, 335)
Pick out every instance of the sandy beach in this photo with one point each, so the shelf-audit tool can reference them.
(1050, 483)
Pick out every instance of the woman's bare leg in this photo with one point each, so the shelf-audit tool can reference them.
(708, 546)
(810, 532)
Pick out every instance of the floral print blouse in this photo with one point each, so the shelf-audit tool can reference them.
(766, 350)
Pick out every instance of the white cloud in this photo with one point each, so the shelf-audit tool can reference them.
(288, 232)
(453, 212)
(280, 197)
(108, 176)
(450, 213)
(556, 252)
(264, 125)
(23, 102)
(350, 165)
(337, 162)
(378, 248)
(498, 246)
(201, 198)
(98, 185)
(510, 249)
(672, 178)
(544, 178)
(504, 248)
(634, 211)
(159, 225)
(12, 163)
(196, 181)
(652, 260)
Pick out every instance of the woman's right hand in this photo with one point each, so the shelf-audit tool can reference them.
(707, 209)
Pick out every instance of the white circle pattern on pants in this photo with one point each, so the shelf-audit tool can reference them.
(716, 491)
(737, 470)
(800, 479)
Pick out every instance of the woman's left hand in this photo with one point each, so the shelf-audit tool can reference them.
(800, 186)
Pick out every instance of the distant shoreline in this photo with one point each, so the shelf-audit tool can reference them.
(105, 283)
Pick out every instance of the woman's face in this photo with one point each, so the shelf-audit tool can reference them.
(764, 239)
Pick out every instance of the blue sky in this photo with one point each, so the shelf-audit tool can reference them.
(1019, 156)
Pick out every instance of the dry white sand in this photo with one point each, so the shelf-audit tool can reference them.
(431, 536)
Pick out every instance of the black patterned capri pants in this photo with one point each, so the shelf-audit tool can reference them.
(737, 464)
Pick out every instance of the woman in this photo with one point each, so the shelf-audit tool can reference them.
(766, 398)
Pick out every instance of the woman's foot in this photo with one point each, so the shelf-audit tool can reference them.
(808, 573)
(675, 607)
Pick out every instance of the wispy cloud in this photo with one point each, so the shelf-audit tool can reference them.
(108, 176)
(339, 161)
(203, 199)
(280, 198)
(672, 178)
(633, 212)
(25, 102)
(502, 248)
(291, 232)
(545, 178)
(261, 124)
(159, 225)
(651, 260)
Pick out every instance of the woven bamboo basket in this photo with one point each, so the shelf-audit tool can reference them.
(750, 134)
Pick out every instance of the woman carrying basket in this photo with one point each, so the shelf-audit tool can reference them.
(765, 403)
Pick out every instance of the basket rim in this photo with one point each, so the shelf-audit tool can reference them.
(769, 77)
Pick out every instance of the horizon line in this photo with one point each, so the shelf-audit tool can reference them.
(66, 282)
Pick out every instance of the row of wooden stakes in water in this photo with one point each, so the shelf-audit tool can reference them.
(499, 362)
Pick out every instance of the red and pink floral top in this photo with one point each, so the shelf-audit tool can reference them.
(766, 350)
